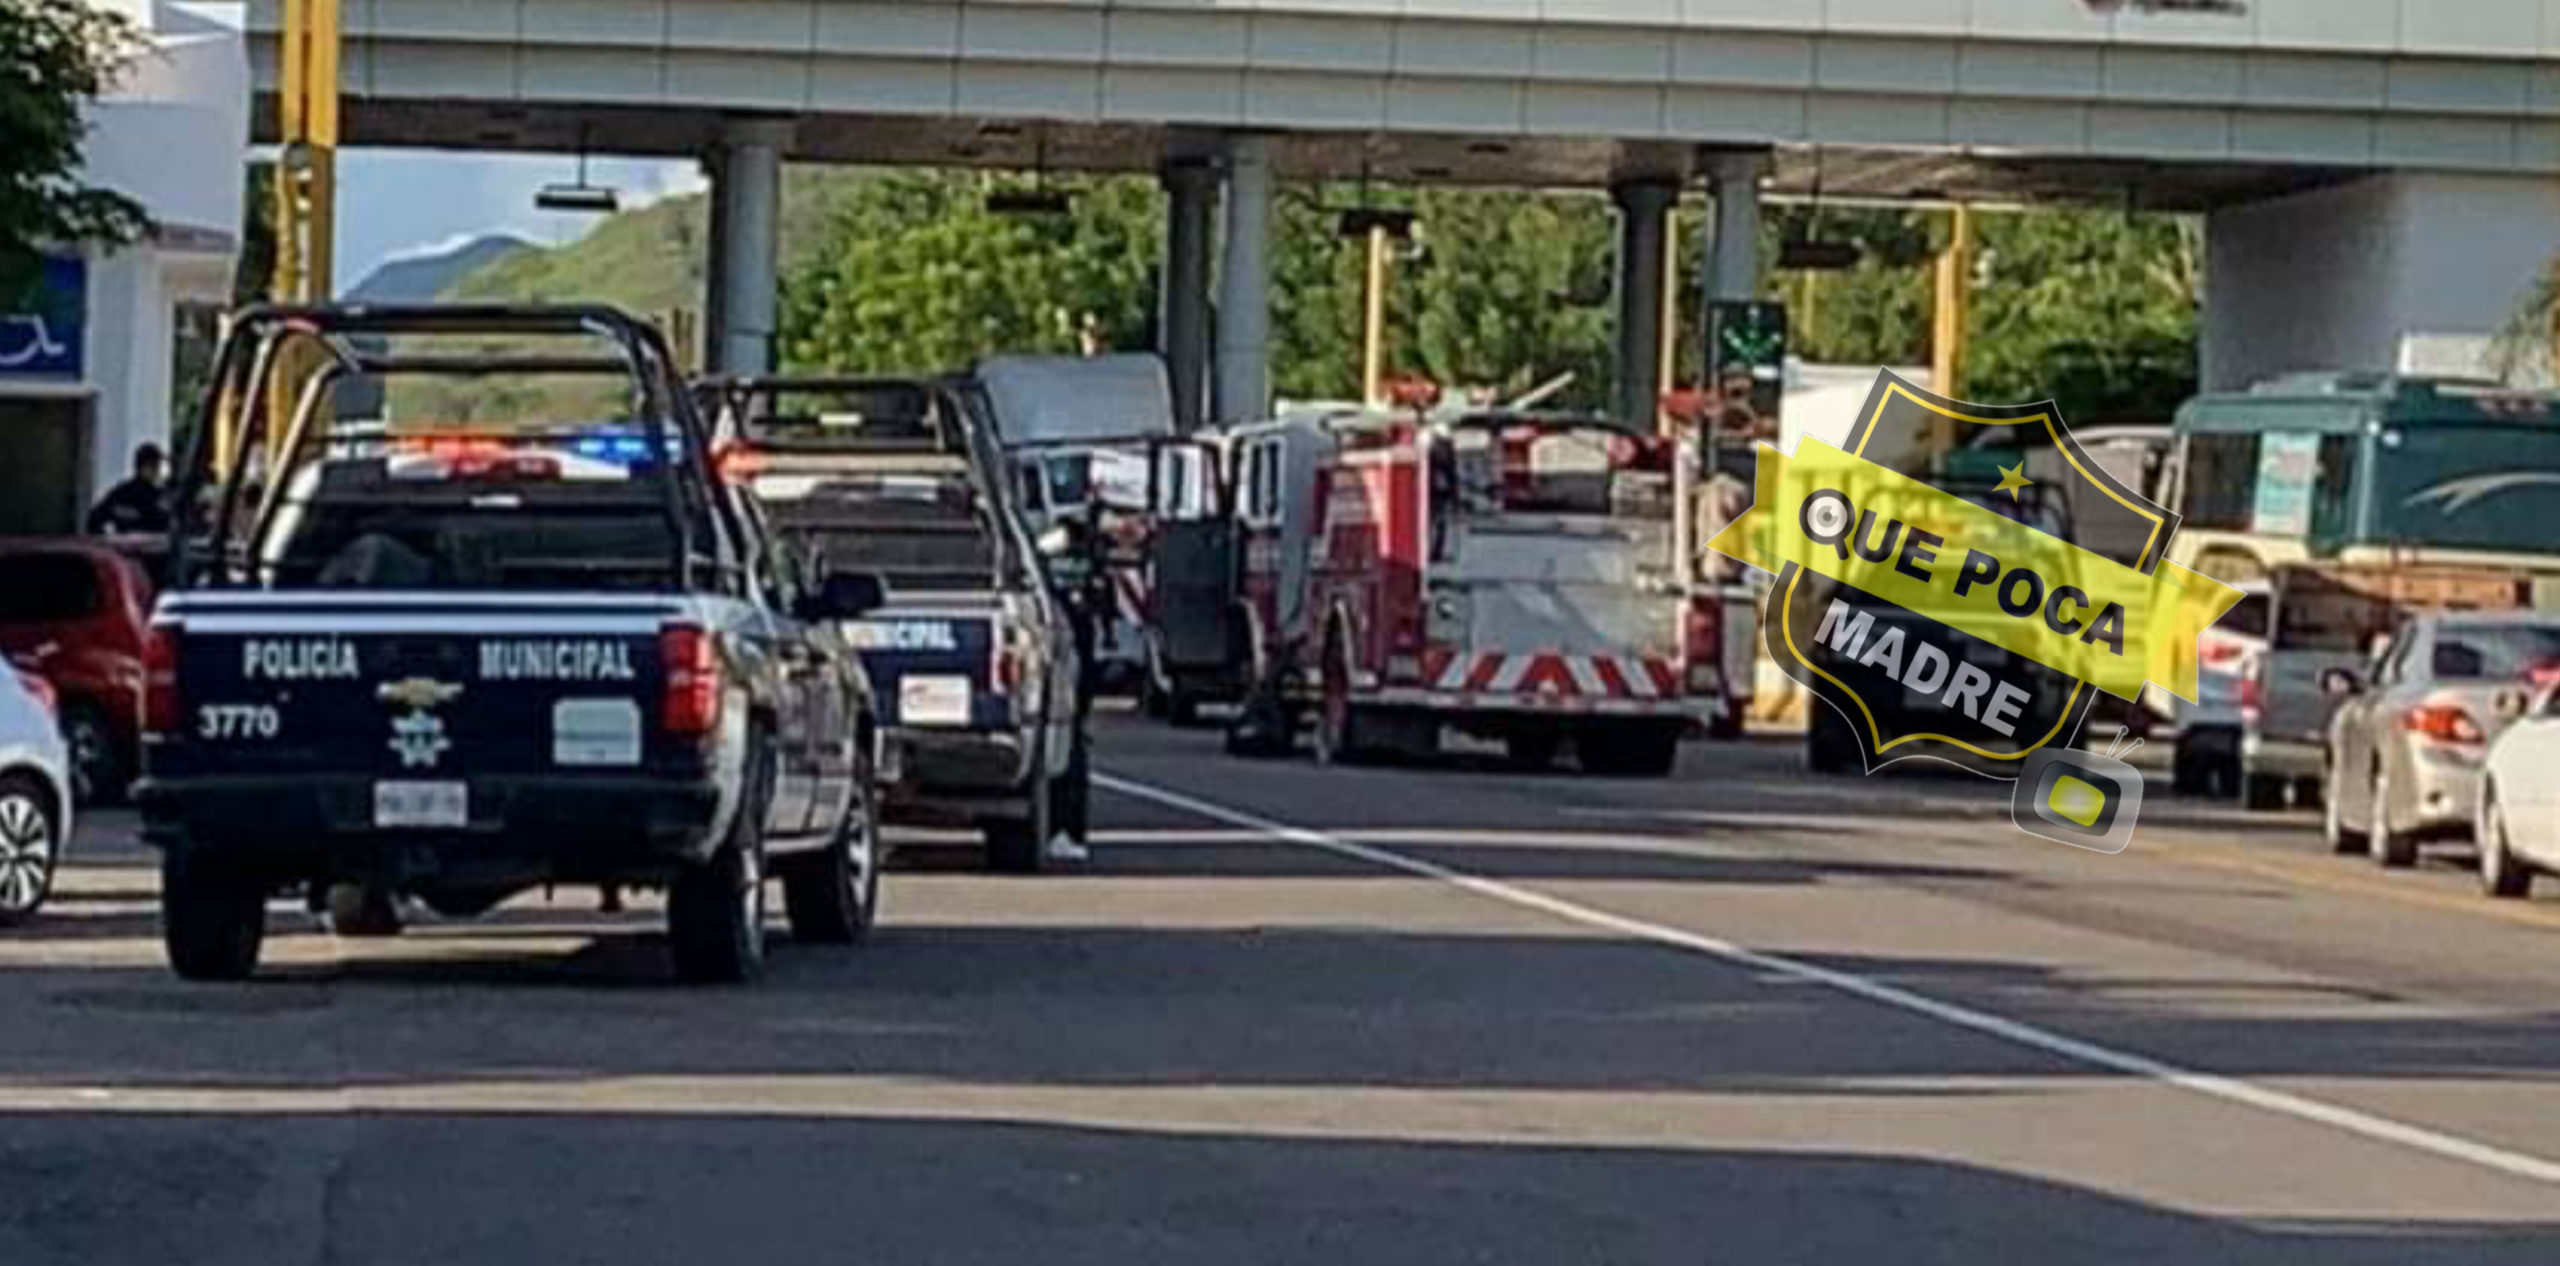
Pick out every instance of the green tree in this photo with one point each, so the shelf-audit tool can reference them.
(916, 273)
(59, 56)
(2095, 310)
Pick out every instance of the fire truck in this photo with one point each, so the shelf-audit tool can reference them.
(1525, 578)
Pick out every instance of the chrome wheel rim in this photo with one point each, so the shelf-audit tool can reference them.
(26, 854)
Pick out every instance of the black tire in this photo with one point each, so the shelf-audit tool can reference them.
(2344, 840)
(2502, 873)
(100, 771)
(2187, 771)
(2262, 792)
(1726, 726)
(2308, 792)
(213, 918)
(1182, 708)
(1072, 811)
(1630, 751)
(832, 896)
(1020, 845)
(1532, 752)
(1829, 746)
(30, 847)
(363, 911)
(2391, 850)
(715, 908)
(1342, 727)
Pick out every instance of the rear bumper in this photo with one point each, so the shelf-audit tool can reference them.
(2440, 794)
(522, 829)
(1686, 708)
(2266, 754)
(954, 777)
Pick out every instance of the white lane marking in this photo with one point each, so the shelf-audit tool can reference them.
(2212, 1085)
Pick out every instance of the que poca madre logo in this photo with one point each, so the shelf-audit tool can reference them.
(1973, 615)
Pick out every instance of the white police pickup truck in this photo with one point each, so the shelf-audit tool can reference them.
(451, 667)
(972, 654)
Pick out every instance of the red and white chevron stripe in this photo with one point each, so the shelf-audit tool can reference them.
(1548, 674)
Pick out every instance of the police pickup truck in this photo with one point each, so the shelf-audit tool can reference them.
(422, 664)
(974, 655)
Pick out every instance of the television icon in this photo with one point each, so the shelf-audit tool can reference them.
(2078, 798)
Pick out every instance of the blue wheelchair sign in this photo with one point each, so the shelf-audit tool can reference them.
(44, 339)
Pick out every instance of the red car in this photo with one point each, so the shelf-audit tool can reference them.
(75, 612)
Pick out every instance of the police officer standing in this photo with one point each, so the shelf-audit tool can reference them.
(139, 506)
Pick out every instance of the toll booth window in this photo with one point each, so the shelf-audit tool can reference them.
(2222, 481)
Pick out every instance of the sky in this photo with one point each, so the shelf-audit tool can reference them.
(396, 203)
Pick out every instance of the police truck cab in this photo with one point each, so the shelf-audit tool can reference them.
(421, 659)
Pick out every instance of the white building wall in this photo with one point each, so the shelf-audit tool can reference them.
(173, 136)
(2409, 272)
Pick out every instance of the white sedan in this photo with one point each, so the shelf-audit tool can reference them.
(35, 794)
(2519, 816)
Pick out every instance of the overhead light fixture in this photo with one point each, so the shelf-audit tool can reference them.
(1813, 255)
(1039, 199)
(579, 197)
(1361, 221)
(1034, 201)
(1804, 248)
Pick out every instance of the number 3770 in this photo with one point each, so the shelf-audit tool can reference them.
(237, 721)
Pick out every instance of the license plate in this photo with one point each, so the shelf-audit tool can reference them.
(421, 804)
(933, 701)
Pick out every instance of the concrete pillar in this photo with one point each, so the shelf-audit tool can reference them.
(1733, 265)
(749, 195)
(1182, 325)
(715, 272)
(1644, 222)
(1244, 284)
(2409, 272)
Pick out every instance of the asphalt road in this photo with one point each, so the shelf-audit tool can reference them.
(1429, 1015)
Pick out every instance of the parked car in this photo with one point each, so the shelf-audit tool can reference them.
(2207, 760)
(2518, 822)
(76, 611)
(2407, 742)
(35, 795)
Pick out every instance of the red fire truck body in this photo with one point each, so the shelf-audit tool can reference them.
(1523, 578)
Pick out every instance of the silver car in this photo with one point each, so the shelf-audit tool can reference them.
(2411, 730)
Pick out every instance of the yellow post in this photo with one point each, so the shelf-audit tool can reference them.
(1947, 328)
(1373, 333)
(306, 186)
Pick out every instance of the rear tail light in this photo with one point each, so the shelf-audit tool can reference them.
(2253, 693)
(737, 464)
(1007, 674)
(160, 679)
(691, 706)
(1702, 645)
(2442, 723)
(42, 691)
